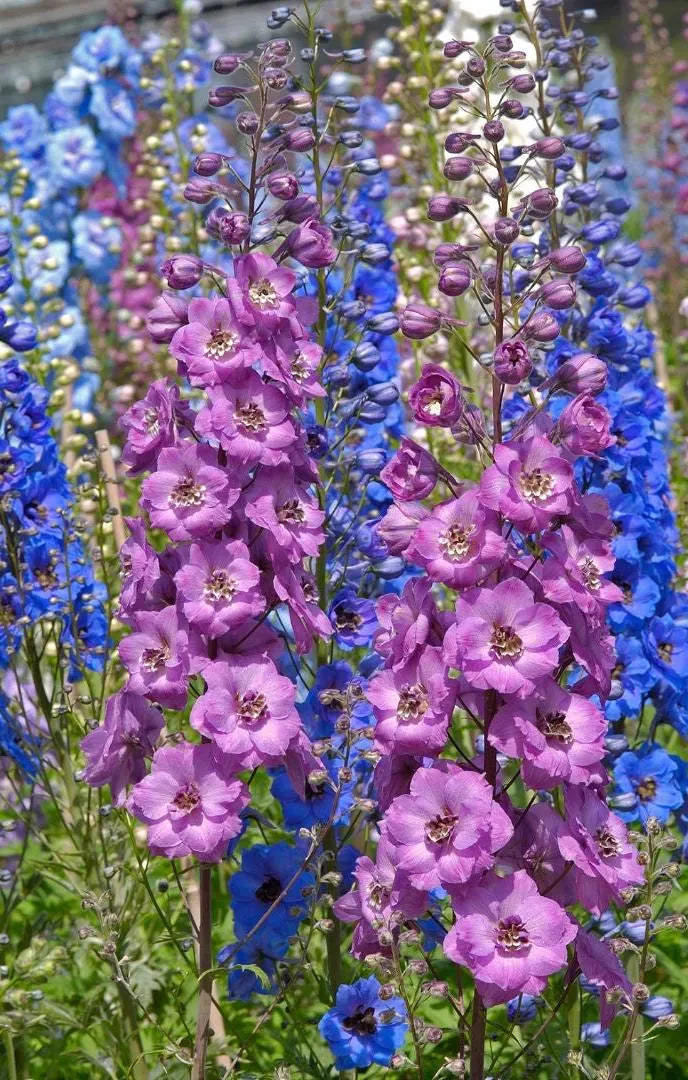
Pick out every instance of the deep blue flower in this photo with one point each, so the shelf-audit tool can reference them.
(594, 1034)
(353, 618)
(361, 1029)
(266, 872)
(667, 646)
(523, 1008)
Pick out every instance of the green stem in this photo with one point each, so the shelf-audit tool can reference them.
(334, 938)
(11, 1061)
(573, 1016)
(205, 985)
(638, 1044)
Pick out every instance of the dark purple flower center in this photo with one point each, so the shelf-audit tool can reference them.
(505, 642)
(362, 1023)
(413, 701)
(155, 658)
(536, 486)
(262, 293)
(333, 699)
(220, 586)
(186, 492)
(554, 726)
(377, 894)
(250, 416)
(646, 789)
(268, 892)
(220, 343)
(251, 707)
(512, 933)
(607, 844)
(314, 789)
(440, 828)
(456, 541)
(291, 513)
(187, 798)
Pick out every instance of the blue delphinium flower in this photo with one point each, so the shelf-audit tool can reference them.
(522, 1009)
(653, 776)
(353, 618)
(594, 1034)
(361, 1029)
(266, 872)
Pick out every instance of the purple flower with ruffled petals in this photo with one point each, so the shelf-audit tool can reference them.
(189, 803)
(503, 639)
(250, 420)
(412, 705)
(508, 936)
(151, 425)
(218, 586)
(530, 483)
(286, 510)
(156, 657)
(116, 751)
(214, 344)
(260, 291)
(459, 542)
(189, 496)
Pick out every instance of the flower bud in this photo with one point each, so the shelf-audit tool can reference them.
(567, 260)
(283, 185)
(300, 208)
(476, 67)
(200, 191)
(311, 244)
(506, 230)
(411, 473)
(437, 398)
(226, 64)
(454, 279)
(522, 84)
(444, 207)
(584, 427)
(582, 373)
(234, 227)
(182, 271)
(168, 313)
(453, 48)
(494, 131)
(541, 203)
(458, 168)
(512, 362)
(458, 141)
(300, 140)
(418, 321)
(207, 164)
(220, 96)
(548, 148)
(558, 295)
(541, 327)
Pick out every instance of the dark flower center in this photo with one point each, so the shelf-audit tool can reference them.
(262, 294)
(666, 651)
(440, 828)
(268, 892)
(607, 843)
(45, 575)
(220, 343)
(512, 933)
(250, 416)
(291, 513)
(333, 699)
(456, 541)
(554, 726)
(347, 620)
(377, 894)
(186, 492)
(152, 659)
(251, 707)
(314, 790)
(505, 642)
(433, 401)
(362, 1023)
(536, 486)
(647, 788)
(413, 701)
(299, 367)
(220, 586)
(187, 798)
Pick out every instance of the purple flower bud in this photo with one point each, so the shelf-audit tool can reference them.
(548, 148)
(583, 373)
(458, 168)
(444, 207)
(283, 185)
(182, 271)
(501, 43)
(418, 321)
(247, 123)
(311, 244)
(207, 164)
(437, 398)
(411, 473)
(371, 461)
(522, 84)
(656, 1007)
(225, 95)
(200, 191)
(300, 140)
(453, 48)
(514, 110)
(226, 64)
(443, 96)
(541, 327)
(494, 131)
(234, 227)
(512, 361)
(445, 253)
(506, 230)
(541, 203)
(558, 295)
(166, 316)
(454, 279)
(476, 67)
(458, 141)
(567, 260)
(386, 322)
(584, 427)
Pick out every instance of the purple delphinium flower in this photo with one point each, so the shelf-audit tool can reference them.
(151, 424)
(446, 830)
(509, 936)
(213, 344)
(250, 420)
(156, 657)
(218, 586)
(530, 483)
(459, 543)
(189, 495)
(260, 291)
(287, 511)
(503, 639)
(116, 751)
(412, 705)
(189, 804)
